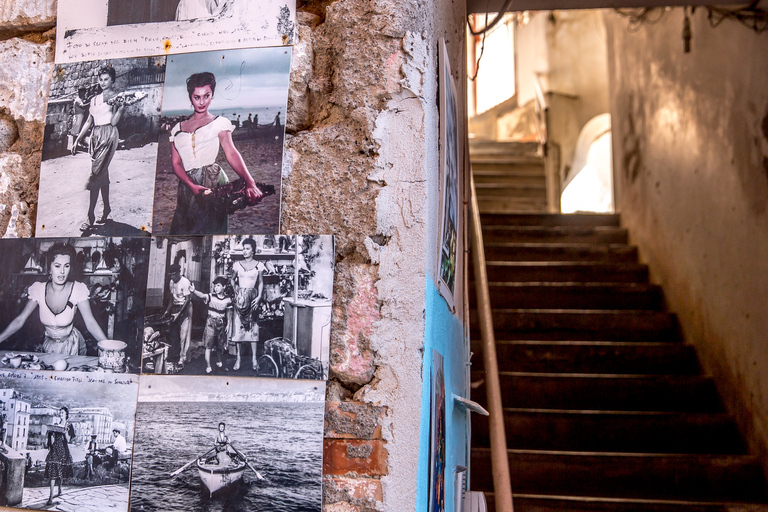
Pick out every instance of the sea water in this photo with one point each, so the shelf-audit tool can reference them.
(283, 441)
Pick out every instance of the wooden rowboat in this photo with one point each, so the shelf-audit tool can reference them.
(216, 477)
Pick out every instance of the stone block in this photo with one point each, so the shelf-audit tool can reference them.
(353, 420)
(15, 466)
(14, 212)
(19, 16)
(25, 75)
(354, 457)
(354, 490)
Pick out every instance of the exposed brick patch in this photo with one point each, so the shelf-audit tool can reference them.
(358, 494)
(338, 462)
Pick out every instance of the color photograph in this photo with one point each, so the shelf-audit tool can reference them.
(67, 439)
(220, 154)
(109, 29)
(72, 304)
(238, 305)
(100, 148)
(218, 444)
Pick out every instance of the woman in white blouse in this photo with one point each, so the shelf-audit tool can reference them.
(104, 114)
(195, 145)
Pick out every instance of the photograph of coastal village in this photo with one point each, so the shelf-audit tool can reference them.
(218, 444)
(66, 439)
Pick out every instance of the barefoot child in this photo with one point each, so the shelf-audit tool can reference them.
(215, 334)
(223, 448)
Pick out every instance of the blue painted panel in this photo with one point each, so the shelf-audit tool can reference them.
(444, 333)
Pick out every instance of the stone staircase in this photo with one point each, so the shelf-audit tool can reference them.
(605, 408)
(509, 176)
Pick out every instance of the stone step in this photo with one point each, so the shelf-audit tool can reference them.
(600, 431)
(570, 272)
(555, 234)
(540, 503)
(501, 172)
(595, 357)
(485, 146)
(513, 204)
(577, 392)
(562, 252)
(620, 475)
(580, 325)
(573, 296)
(549, 219)
(513, 189)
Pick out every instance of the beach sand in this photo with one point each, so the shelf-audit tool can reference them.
(262, 156)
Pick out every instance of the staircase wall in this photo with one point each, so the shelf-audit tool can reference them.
(690, 152)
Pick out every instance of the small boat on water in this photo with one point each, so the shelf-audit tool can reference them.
(216, 476)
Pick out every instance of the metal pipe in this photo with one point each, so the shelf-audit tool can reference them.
(502, 488)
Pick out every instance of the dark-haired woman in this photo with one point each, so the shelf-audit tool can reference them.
(58, 462)
(104, 114)
(195, 145)
(58, 299)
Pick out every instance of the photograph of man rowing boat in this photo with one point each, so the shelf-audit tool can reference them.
(217, 444)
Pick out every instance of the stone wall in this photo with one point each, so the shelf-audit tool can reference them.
(361, 163)
(690, 150)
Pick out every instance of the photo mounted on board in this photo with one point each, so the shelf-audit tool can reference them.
(67, 439)
(108, 29)
(73, 303)
(220, 154)
(228, 444)
(238, 305)
(100, 148)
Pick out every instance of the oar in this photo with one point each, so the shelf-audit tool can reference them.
(186, 466)
(245, 459)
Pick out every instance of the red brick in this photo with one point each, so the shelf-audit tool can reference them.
(356, 489)
(347, 456)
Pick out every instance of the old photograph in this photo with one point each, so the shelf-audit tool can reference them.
(449, 180)
(239, 305)
(220, 444)
(108, 29)
(100, 148)
(221, 143)
(72, 304)
(67, 439)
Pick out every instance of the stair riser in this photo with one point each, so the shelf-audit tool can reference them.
(585, 432)
(543, 219)
(531, 203)
(581, 326)
(576, 252)
(581, 297)
(679, 393)
(484, 182)
(682, 477)
(519, 234)
(634, 359)
(598, 273)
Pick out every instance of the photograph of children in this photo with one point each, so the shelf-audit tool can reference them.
(100, 148)
(99, 29)
(73, 303)
(449, 171)
(67, 439)
(217, 444)
(221, 143)
(238, 305)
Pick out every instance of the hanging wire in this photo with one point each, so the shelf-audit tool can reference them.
(644, 15)
(482, 50)
(750, 16)
(496, 20)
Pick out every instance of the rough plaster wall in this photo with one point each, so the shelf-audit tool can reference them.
(691, 170)
(363, 165)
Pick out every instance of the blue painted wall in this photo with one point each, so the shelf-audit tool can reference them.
(444, 333)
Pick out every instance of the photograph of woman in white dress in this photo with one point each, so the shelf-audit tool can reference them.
(217, 174)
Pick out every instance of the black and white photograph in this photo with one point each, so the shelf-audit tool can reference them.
(72, 304)
(67, 439)
(449, 181)
(100, 148)
(240, 305)
(220, 155)
(99, 29)
(236, 445)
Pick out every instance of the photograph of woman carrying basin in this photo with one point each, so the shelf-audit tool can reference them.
(72, 303)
